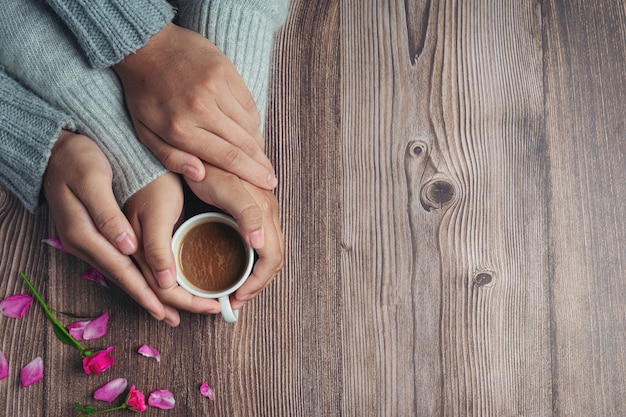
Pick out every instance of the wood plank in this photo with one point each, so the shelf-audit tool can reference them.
(20, 340)
(585, 123)
(457, 138)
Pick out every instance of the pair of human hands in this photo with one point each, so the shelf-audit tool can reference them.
(192, 109)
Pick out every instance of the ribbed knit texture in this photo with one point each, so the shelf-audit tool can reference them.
(37, 50)
(108, 30)
(243, 30)
(24, 115)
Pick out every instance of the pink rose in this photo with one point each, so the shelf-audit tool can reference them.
(135, 400)
(98, 362)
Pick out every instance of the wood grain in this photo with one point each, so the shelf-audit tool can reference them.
(451, 177)
(586, 89)
(455, 137)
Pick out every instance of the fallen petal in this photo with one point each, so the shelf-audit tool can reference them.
(96, 328)
(32, 372)
(4, 367)
(16, 305)
(77, 329)
(149, 352)
(206, 391)
(55, 242)
(111, 390)
(95, 276)
(163, 399)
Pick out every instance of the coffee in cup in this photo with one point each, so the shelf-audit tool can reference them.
(212, 259)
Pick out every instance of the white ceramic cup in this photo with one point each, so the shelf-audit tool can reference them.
(222, 296)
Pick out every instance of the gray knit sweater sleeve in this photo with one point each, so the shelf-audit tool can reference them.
(23, 162)
(57, 87)
(37, 50)
(108, 30)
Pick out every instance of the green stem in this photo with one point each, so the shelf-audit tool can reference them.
(119, 407)
(50, 316)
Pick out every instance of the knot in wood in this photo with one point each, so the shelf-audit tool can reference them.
(416, 148)
(483, 278)
(437, 193)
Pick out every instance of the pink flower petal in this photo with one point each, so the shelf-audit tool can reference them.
(150, 352)
(89, 329)
(96, 328)
(98, 362)
(55, 242)
(32, 372)
(163, 399)
(95, 276)
(16, 305)
(77, 329)
(4, 366)
(206, 391)
(111, 390)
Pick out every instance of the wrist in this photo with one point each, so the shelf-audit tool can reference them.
(145, 56)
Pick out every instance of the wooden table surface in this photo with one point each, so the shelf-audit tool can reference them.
(453, 178)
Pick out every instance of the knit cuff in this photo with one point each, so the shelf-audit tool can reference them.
(244, 31)
(99, 113)
(108, 30)
(29, 128)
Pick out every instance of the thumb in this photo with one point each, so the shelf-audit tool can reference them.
(109, 218)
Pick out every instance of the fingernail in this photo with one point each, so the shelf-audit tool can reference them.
(272, 180)
(165, 278)
(191, 172)
(125, 244)
(257, 240)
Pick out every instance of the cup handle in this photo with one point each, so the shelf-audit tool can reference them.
(230, 315)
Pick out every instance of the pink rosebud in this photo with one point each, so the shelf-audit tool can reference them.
(32, 372)
(16, 305)
(149, 352)
(4, 366)
(135, 400)
(163, 399)
(55, 242)
(98, 362)
(111, 390)
(206, 391)
(95, 276)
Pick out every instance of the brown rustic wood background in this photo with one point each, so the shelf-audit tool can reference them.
(453, 178)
